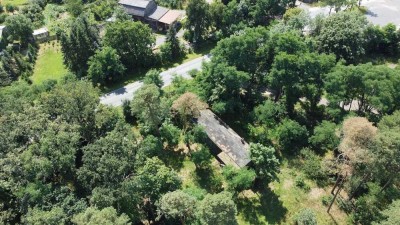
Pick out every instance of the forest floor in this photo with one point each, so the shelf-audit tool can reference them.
(49, 64)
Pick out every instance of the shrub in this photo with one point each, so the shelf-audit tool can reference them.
(300, 183)
(3, 18)
(313, 167)
(306, 217)
(10, 8)
(326, 200)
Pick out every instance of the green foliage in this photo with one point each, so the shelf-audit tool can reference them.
(291, 136)
(313, 166)
(343, 34)
(178, 205)
(325, 137)
(18, 28)
(11, 8)
(153, 77)
(306, 217)
(148, 148)
(133, 42)
(300, 183)
(78, 44)
(174, 4)
(269, 113)
(108, 160)
(326, 200)
(102, 10)
(218, 209)
(74, 7)
(105, 66)
(265, 161)
(222, 86)
(201, 157)
(391, 214)
(170, 134)
(198, 20)
(300, 75)
(238, 179)
(37, 216)
(384, 40)
(33, 11)
(146, 105)
(93, 216)
(373, 87)
(155, 179)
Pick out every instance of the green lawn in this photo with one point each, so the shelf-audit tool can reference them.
(14, 2)
(49, 64)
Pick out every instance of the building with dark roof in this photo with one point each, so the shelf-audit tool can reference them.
(148, 11)
(233, 149)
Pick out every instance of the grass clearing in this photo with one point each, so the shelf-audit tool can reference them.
(14, 2)
(49, 64)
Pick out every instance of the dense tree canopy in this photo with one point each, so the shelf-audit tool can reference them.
(133, 42)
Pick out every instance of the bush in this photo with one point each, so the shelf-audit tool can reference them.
(1, 9)
(300, 183)
(325, 137)
(313, 167)
(326, 200)
(306, 217)
(3, 18)
(10, 8)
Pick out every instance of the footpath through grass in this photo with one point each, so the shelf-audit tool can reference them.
(49, 64)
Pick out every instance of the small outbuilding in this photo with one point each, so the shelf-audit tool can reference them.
(41, 35)
(233, 149)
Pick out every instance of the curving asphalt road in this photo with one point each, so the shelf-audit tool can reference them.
(117, 97)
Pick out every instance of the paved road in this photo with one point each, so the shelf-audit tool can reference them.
(116, 97)
(380, 12)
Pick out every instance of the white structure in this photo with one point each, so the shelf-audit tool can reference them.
(41, 34)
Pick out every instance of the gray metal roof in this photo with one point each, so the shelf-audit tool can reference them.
(158, 13)
(135, 3)
(235, 151)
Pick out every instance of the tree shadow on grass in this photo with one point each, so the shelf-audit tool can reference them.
(173, 159)
(265, 203)
(207, 180)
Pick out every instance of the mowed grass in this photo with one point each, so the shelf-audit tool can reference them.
(14, 2)
(49, 64)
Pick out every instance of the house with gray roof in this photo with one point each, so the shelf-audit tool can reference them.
(148, 11)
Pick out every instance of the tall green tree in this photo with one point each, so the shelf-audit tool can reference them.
(223, 86)
(78, 44)
(177, 205)
(105, 66)
(133, 42)
(146, 105)
(198, 20)
(265, 162)
(218, 209)
(18, 28)
(93, 216)
(344, 35)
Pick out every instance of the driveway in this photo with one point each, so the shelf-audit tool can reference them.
(117, 97)
(380, 12)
